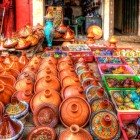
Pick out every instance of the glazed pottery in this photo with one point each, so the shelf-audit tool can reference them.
(104, 125)
(22, 44)
(46, 115)
(49, 29)
(6, 92)
(74, 110)
(45, 82)
(7, 80)
(67, 72)
(23, 59)
(50, 58)
(85, 75)
(74, 132)
(45, 73)
(24, 84)
(23, 95)
(69, 81)
(95, 92)
(49, 96)
(72, 91)
(42, 132)
(9, 71)
(64, 65)
(10, 43)
(16, 109)
(101, 104)
(1, 110)
(10, 129)
(69, 34)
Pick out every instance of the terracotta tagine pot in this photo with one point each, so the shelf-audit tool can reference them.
(45, 82)
(28, 69)
(90, 40)
(50, 58)
(34, 63)
(7, 80)
(1, 110)
(22, 44)
(61, 28)
(46, 115)
(65, 58)
(74, 132)
(37, 59)
(57, 35)
(6, 92)
(10, 43)
(29, 74)
(48, 63)
(49, 96)
(23, 59)
(24, 84)
(105, 120)
(10, 129)
(23, 95)
(72, 91)
(7, 60)
(69, 81)
(16, 109)
(67, 72)
(64, 65)
(16, 65)
(2, 65)
(69, 34)
(42, 132)
(74, 110)
(64, 44)
(47, 72)
(9, 71)
(95, 92)
(101, 104)
(33, 39)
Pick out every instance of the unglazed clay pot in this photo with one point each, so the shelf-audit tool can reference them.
(6, 92)
(67, 72)
(75, 133)
(42, 132)
(7, 60)
(63, 65)
(49, 96)
(1, 110)
(27, 74)
(69, 34)
(7, 80)
(16, 65)
(10, 129)
(23, 59)
(45, 73)
(33, 39)
(65, 58)
(69, 81)
(48, 63)
(50, 58)
(57, 34)
(45, 82)
(101, 104)
(105, 120)
(46, 115)
(16, 109)
(2, 65)
(72, 91)
(24, 84)
(35, 60)
(9, 71)
(74, 110)
(23, 95)
(62, 28)
(29, 69)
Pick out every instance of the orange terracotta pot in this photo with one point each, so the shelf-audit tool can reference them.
(62, 28)
(57, 34)
(1, 111)
(69, 34)
(6, 92)
(27, 74)
(72, 91)
(7, 60)
(23, 60)
(2, 65)
(64, 65)
(33, 39)
(69, 81)
(45, 82)
(16, 65)
(24, 85)
(10, 43)
(66, 58)
(49, 96)
(7, 80)
(50, 58)
(74, 110)
(29, 69)
(74, 132)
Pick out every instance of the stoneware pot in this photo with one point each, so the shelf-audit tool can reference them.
(74, 132)
(45, 82)
(74, 110)
(105, 120)
(49, 96)
(46, 115)
(42, 132)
